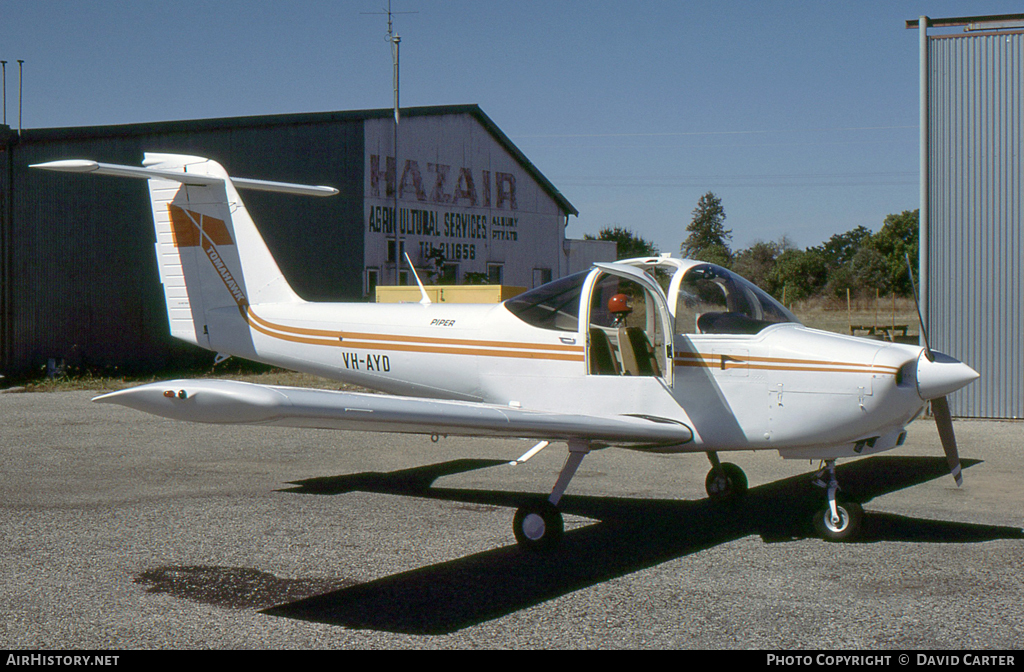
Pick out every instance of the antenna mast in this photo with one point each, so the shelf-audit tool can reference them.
(395, 40)
(21, 62)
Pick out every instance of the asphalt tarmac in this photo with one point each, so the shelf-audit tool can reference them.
(125, 531)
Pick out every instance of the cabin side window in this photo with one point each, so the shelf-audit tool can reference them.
(555, 305)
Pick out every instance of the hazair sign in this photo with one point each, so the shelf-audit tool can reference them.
(453, 188)
(433, 202)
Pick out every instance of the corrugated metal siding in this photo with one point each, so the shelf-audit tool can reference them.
(975, 244)
(6, 162)
(83, 280)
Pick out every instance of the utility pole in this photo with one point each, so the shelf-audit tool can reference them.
(395, 40)
(20, 63)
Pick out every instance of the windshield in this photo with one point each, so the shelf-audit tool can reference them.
(555, 305)
(712, 300)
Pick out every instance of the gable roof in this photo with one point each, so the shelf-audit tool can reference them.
(226, 123)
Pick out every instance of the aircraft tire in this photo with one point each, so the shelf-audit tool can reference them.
(851, 514)
(538, 527)
(731, 487)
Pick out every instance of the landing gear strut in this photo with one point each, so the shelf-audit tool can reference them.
(539, 527)
(840, 520)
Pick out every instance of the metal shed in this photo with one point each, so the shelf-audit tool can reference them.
(78, 277)
(972, 181)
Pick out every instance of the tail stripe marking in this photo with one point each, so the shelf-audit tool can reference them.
(188, 232)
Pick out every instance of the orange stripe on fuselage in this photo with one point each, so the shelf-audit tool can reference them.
(401, 343)
(190, 229)
(714, 361)
(363, 336)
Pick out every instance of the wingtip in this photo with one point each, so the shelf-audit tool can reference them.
(68, 166)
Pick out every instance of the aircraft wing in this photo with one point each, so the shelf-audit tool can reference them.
(234, 402)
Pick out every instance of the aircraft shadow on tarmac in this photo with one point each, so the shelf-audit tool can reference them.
(630, 535)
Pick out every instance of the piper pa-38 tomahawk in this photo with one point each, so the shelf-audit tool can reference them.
(605, 357)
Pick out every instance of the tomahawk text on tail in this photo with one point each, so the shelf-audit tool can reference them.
(605, 357)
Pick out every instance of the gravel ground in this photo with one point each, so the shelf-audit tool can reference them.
(125, 531)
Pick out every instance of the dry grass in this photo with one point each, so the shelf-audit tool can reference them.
(834, 315)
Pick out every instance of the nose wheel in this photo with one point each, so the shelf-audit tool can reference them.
(843, 526)
(840, 519)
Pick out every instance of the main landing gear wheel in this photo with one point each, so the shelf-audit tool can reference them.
(538, 527)
(844, 526)
(725, 482)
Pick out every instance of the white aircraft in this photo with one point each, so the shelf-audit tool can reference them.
(605, 357)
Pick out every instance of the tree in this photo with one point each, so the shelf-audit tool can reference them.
(840, 249)
(801, 272)
(628, 244)
(708, 239)
(897, 240)
(757, 262)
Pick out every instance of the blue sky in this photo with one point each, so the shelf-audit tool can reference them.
(801, 116)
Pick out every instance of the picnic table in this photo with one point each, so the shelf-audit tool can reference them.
(897, 333)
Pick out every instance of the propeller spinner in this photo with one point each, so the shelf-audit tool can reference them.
(937, 376)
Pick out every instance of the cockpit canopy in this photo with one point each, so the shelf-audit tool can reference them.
(708, 300)
(712, 300)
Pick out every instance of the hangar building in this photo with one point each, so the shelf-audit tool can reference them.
(972, 204)
(78, 277)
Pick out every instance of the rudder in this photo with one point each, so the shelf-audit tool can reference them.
(213, 261)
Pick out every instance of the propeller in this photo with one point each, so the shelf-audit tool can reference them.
(940, 406)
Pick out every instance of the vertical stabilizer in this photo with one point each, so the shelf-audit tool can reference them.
(213, 261)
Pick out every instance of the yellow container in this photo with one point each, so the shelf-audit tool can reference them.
(448, 293)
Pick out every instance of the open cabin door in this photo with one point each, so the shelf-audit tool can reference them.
(628, 324)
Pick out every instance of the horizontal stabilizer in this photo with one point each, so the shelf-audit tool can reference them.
(233, 402)
(192, 179)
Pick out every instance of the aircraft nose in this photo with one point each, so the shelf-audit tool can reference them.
(941, 375)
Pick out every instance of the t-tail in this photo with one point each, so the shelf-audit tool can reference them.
(213, 261)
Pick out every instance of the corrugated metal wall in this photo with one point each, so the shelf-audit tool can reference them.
(975, 243)
(7, 138)
(81, 277)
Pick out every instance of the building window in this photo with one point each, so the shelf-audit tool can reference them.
(541, 276)
(372, 279)
(449, 274)
(392, 257)
(495, 274)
